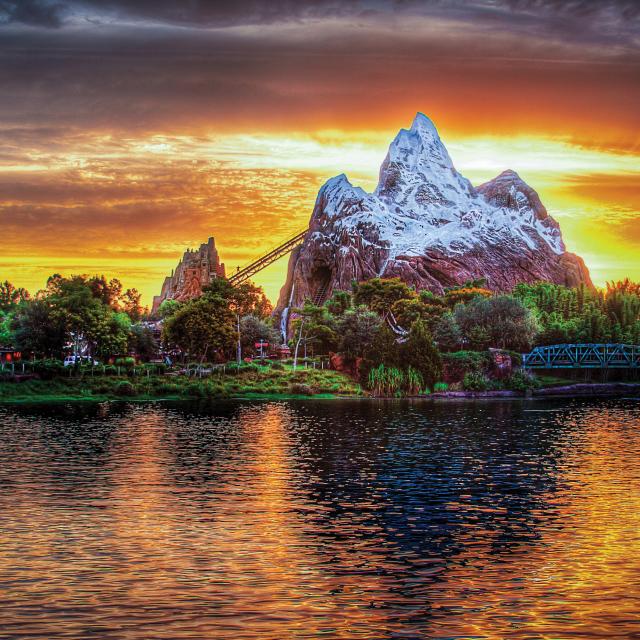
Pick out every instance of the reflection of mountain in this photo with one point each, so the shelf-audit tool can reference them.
(424, 476)
(427, 224)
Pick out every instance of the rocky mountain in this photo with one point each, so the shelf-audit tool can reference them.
(195, 270)
(427, 224)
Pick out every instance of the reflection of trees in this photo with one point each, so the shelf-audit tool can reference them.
(203, 440)
(62, 448)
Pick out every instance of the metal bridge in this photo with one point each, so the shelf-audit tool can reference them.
(583, 356)
(254, 267)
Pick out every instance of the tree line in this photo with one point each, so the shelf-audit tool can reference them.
(388, 333)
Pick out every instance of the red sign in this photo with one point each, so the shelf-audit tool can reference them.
(260, 345)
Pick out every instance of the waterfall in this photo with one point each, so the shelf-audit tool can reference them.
(284, 318)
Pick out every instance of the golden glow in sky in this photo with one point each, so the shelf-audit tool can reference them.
(128, 134)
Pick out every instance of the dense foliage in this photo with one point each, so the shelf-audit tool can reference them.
(395, 339)
(584, 315)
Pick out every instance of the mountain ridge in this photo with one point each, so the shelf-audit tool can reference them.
(427, 224)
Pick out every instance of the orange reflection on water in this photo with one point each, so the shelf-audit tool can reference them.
(286, 521)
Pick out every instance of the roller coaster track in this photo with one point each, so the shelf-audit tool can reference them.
(265, 260)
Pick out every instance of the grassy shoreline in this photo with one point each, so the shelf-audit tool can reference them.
(286, 385)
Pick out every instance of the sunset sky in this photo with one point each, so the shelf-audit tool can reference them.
(133, 130)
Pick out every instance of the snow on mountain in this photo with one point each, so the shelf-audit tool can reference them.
(427, 224)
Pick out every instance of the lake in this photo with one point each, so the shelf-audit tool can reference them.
(320, 519)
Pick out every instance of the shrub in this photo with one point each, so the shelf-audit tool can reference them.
(459, 363)
(383, 380)
(414, 382)
(420, 354)
(48, 369)
(440, 386)
(521, 380)
(195, 390)
(167, 388)
(300, 389)
(125, 388)
(474, 381)
(125, 362)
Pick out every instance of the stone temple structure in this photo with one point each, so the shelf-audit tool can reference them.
(195, 270)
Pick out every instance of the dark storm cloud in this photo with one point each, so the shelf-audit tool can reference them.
(585, 15)
(32, 12)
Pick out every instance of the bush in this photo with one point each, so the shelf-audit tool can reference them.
(125, 388)
(125, 362)
(167, 389)
(414, 381)
(521, 380)
(195, 390)
(474, 381)
(386, 381)
(300, 389)
(459, 363)
(48, 369)
(440, 386)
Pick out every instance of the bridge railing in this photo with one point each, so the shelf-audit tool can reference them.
(583, 356)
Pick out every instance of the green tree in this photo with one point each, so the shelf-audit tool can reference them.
(202, 327)
(380, 294)
(447, 333)
(38, 329)
(11, 296)
(420, 353)
(500, 321)
(142, 342)
(7, 335)
(168, 308)
(356, 330)
(339, 302)
(254, 329)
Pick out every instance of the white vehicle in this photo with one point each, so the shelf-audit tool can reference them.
(71, 361)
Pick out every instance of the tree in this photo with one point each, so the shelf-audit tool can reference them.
(380, 294)
(339, 302)
(253, 329)
(203, 326)
(419, 353)
(382, 349)
(356, 329)
(315, 326)
(500, 321)
(447, 333)
(142, 342)
(130, 304)
(168, 308)
(11, 296)
(38, 329)
(7, 336)
(243, 299)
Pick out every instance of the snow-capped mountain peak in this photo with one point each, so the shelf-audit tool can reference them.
(426, 223)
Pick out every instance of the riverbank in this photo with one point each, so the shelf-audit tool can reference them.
(286, 384)
(248, 383)
(579, 390)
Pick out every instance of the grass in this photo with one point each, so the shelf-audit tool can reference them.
(249, 383)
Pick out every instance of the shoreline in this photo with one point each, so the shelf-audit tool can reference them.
(578, 390)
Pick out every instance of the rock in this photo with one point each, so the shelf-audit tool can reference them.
(195, 270)
(428, 225)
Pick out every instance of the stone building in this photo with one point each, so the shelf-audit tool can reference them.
(195, 270)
